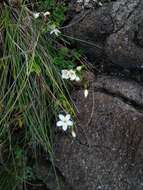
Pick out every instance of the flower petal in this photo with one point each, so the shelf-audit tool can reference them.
(46, 13)
(36, 15)
(79, 68)
(72, 78)
(77, 78)
(59, 123)
(85, 93)
(67, 117)
(65, 74)
(55, 31)
(61, 117)
(70, 123)
(73, 134)
(72, 75)
(65, 126)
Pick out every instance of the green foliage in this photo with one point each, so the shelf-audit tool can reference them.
(36, 69)
(58, 14)
(65, 59)
(32, 90)
(56, 9)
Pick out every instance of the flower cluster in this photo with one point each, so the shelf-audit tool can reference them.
(53, 29)
(71, 74)
(37, 14)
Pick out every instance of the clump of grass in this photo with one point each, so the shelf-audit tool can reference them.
(32, 91)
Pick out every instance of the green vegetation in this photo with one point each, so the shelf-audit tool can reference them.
(32, 91)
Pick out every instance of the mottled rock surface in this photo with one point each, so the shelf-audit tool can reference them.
(108, 151)
(114, 30)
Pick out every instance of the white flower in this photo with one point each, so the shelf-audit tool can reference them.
(47, 13)
(77, 79)
(100, 4)
(73, 134)
(65, 74)
(72, 75)
(65, 121)
(36, 15)
(85, 93)
(55, 31)
(79, 68)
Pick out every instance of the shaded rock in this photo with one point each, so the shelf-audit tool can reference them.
(130, 91)
(108, 151)
(50, 175)
(114, 30)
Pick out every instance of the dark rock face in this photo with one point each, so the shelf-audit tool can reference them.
(114, 30)
(45, 172)
(108, 151)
